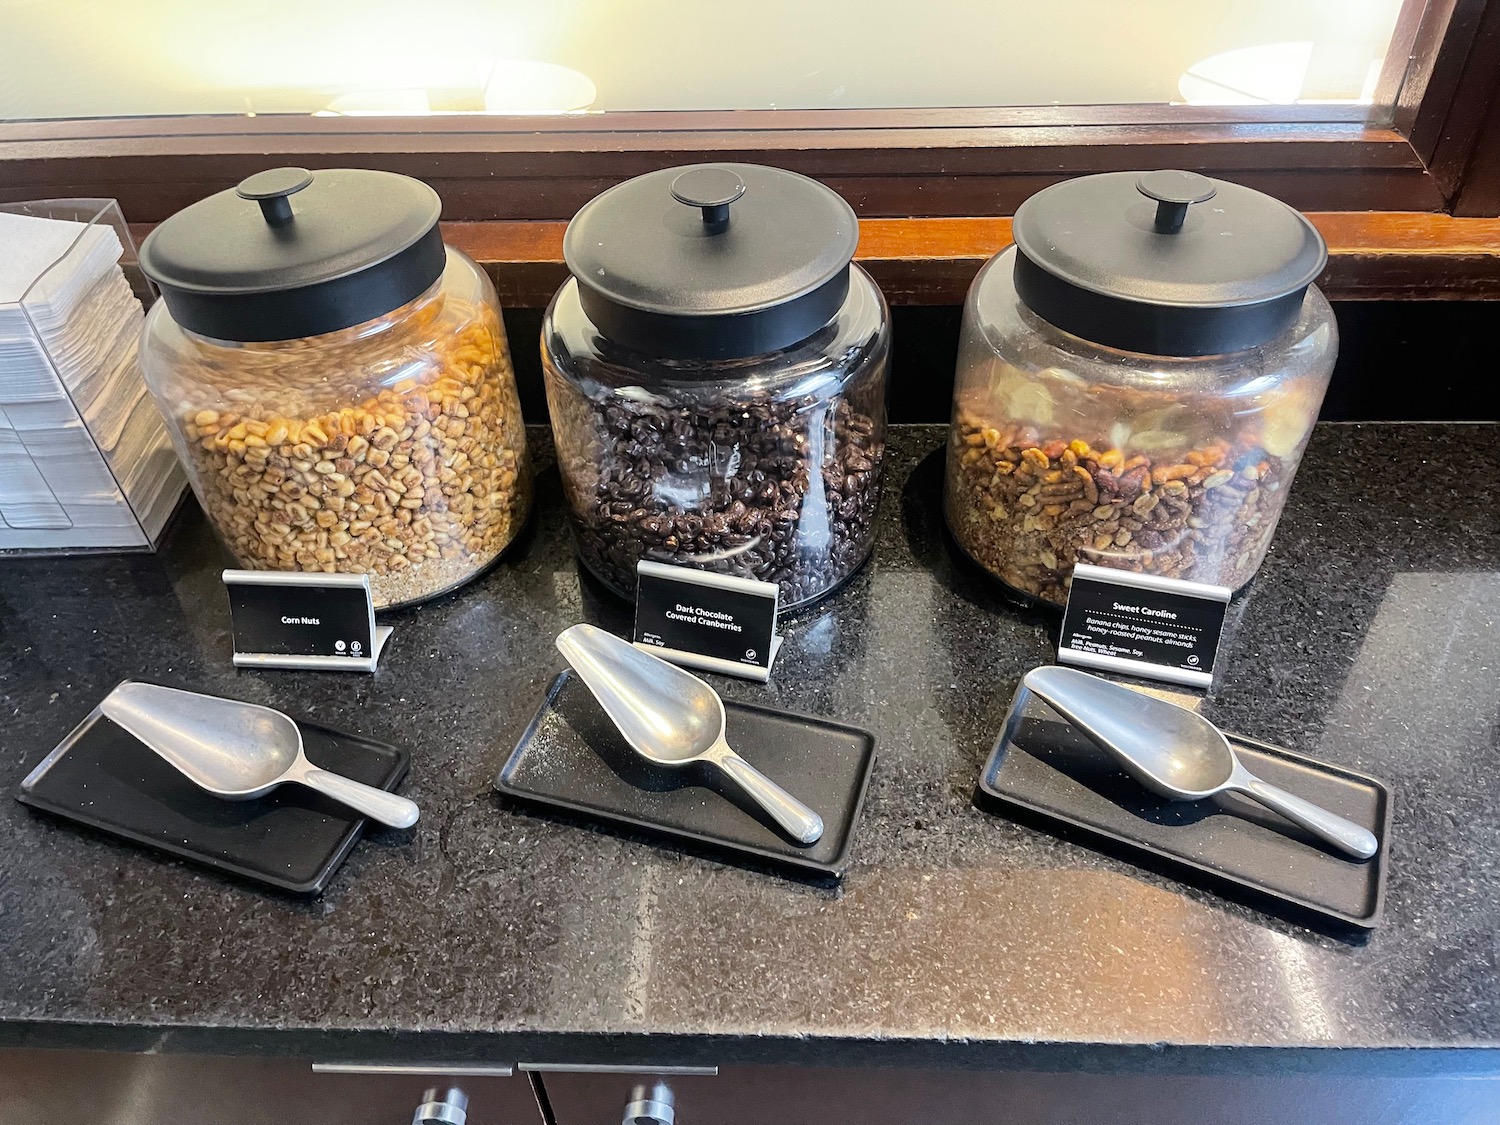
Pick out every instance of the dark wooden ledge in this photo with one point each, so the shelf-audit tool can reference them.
(1373, 255)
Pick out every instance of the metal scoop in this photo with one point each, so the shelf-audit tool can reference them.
(1173, 751)
(239, 750)
(672, 718)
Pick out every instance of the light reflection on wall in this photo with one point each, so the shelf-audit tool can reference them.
(513, 86)
(71, 58)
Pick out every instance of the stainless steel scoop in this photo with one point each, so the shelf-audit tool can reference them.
(672, 718)
(239, 750)
(1172, 751)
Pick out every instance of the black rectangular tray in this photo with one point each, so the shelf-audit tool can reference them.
(292, 838)
(571, 757)
(1053, 773)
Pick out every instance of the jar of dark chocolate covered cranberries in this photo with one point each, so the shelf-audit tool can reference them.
(716, 374)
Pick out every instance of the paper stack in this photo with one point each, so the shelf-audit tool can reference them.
(85, 460)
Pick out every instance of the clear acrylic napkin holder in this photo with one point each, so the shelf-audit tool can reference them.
(86, 463)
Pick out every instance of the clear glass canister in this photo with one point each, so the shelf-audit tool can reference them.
(764, 467)
(392, 447)
(1064, 450)
(763, 464)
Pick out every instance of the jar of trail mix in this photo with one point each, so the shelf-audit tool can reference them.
(716, 374)
(1137, 378)
(337, 381)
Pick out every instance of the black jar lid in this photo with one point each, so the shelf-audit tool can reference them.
(292, 253)
(712, 261)
(1164, 263)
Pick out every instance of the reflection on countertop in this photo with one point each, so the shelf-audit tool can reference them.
(1371, 638)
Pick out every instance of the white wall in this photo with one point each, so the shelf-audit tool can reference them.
(66, 58)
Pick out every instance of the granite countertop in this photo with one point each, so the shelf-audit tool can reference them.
(1369, 639)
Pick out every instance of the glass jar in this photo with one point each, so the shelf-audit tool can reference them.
(1137, 379)
(389, 444)
(718, 398)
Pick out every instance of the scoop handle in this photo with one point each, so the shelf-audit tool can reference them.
(377, 804)
(799, 821)
(1343, 834)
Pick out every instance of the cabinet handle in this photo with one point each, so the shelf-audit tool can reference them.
(450, 1109)
(610, 1068)
(649, 1106)
(433, 1069)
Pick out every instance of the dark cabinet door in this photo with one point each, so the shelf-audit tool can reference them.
(752, 1095)
(107, 1088)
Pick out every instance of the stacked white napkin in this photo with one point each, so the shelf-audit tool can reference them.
(85, 460)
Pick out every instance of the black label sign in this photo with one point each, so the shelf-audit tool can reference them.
(1143, 625)
(301, 615)
(707, 620)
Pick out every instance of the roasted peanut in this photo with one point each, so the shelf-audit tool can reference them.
(1028, 510)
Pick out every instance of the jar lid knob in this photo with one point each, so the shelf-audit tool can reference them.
(711, 188)
(271, 188)
(1174, 191)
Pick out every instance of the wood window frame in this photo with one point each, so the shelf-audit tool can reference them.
(1411, 207)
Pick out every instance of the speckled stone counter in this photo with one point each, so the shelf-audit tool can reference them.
(1371, 638)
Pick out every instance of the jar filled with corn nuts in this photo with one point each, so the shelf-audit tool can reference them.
(1137, 379)
(337, 381)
